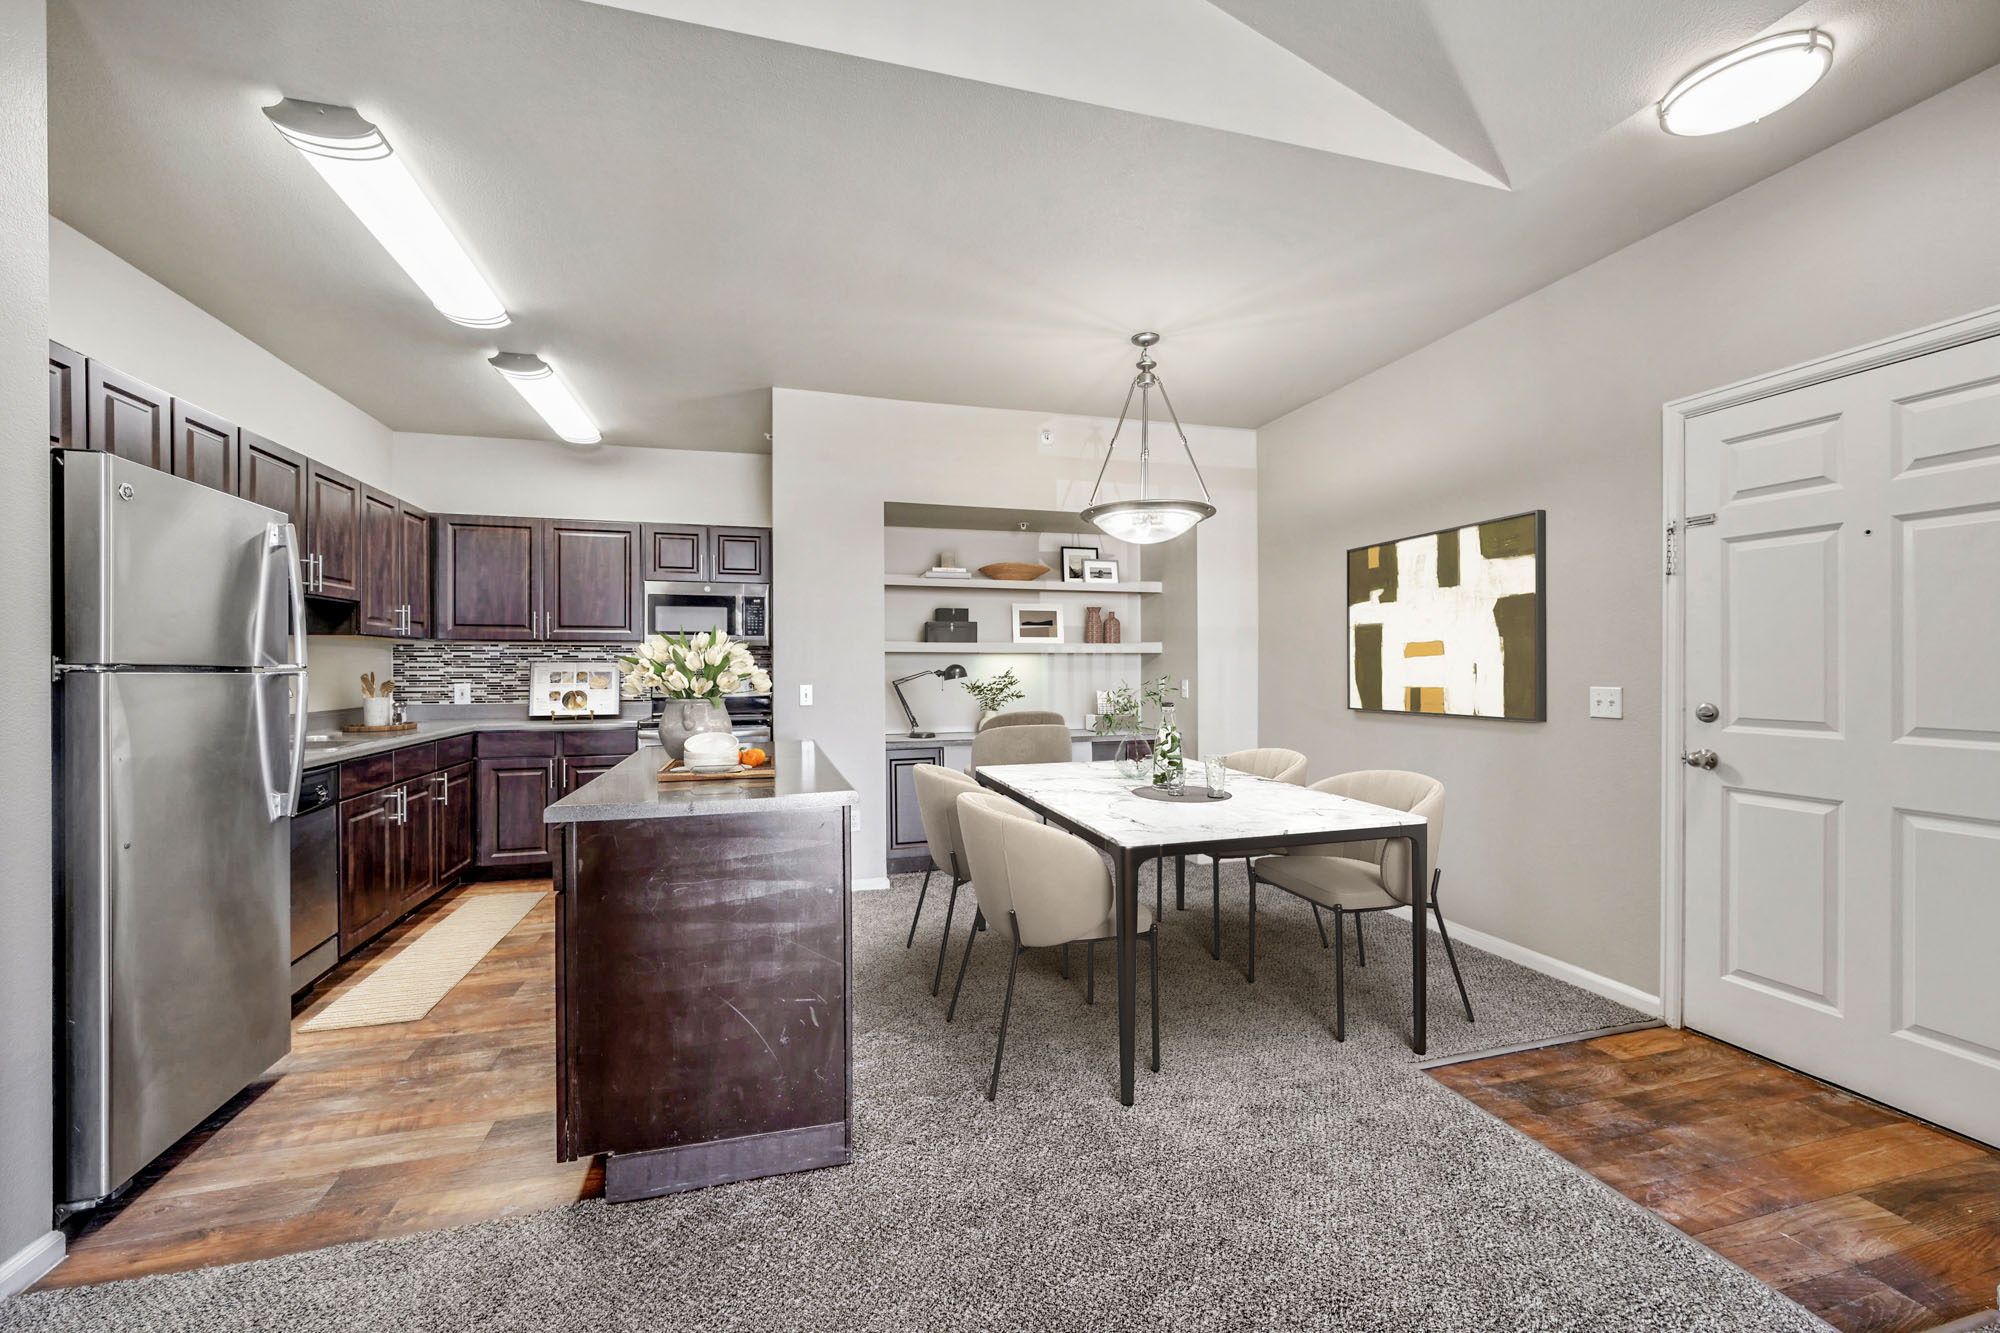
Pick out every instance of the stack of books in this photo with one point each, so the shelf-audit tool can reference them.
(947, 572)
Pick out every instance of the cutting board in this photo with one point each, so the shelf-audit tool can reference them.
(673, 772)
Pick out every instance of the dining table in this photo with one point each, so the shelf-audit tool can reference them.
(1101, 803)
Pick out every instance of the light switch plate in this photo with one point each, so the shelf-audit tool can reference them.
(805, 696)
(461, 691)
(1607, 701)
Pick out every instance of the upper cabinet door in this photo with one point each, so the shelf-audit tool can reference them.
(129, 418)
(381, 572)
(488, 578)
(66, 393)
(204, 447)
(334, 524)
(739, 555)
(676, 551)
(594, 584)
(273, 476)
(413, 557)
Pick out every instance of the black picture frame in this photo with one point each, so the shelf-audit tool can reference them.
(1357, 567)
(1081, 554)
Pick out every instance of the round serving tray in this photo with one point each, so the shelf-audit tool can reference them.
(1191, 794)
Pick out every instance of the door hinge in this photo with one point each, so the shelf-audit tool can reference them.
(1672, 529)
(1675, 530)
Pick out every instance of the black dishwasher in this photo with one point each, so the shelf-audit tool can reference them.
(315, 879)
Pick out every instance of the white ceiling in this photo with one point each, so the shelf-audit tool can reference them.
(682, 215)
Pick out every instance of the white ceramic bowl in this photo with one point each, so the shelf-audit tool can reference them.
(710, 752)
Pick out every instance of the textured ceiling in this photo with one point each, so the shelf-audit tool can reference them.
(682, 216)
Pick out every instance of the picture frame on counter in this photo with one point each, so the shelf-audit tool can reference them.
(1100, 571)
(1073, 560)
(1037, 623)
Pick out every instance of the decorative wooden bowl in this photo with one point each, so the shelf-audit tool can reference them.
(1014, 571)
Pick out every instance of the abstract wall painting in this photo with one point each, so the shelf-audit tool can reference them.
(1451, 622)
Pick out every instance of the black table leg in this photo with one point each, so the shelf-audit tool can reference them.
(1180, 883)
(1420, 938)
(1128, 941)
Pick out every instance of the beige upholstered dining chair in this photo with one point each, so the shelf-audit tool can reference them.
(1279, 765)
(1034, 743)
(1355, 877)
(938, 790)
(1051, 887)
(1025, 717)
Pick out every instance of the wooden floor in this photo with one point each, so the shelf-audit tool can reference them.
(366, 1132)
(1871, 1220)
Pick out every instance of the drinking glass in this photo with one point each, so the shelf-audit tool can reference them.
(1217, 774)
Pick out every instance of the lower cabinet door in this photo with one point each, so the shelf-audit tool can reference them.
(906, 821)
(367, 867)
(455, 823)
(576, 772)
(513, 792)
(418, 877)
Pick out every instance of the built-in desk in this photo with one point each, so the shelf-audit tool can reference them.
(704, 974)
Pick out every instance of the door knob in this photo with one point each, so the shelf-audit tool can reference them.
(1700, 759)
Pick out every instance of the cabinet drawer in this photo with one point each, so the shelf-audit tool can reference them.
(416, 760)
(453, 751)
(510, 744)
(358, 776)
(622, 741)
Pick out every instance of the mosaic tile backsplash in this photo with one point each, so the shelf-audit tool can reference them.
(498, 672)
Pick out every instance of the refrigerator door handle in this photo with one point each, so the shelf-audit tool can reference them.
(284, 537)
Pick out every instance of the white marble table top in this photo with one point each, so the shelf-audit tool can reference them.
(1096, 799)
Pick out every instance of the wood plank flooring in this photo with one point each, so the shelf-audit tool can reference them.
(366, 1132)
(1875, 1222)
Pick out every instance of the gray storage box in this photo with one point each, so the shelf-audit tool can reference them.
(950, 631)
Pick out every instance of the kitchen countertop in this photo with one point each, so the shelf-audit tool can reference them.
(355, 746)
(633, 789)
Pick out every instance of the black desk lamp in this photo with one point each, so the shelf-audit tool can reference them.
(952, 672)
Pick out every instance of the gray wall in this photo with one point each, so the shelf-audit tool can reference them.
(1553, 839)
(24, 642)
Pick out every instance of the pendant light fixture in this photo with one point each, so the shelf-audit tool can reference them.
(1147, 519)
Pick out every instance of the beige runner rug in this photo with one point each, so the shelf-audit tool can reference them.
(409, 985)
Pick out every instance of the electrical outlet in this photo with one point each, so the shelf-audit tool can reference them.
(461, 691)
(805, 696)
(1607, 701)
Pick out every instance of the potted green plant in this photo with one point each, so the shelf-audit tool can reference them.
(994, 695)
(1124, 717)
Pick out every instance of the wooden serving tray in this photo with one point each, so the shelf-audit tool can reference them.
(673, 772)
(393, 726)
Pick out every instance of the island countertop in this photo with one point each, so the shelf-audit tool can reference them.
(633, 790)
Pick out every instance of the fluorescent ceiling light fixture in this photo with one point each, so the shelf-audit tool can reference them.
(1748, 84)
(536, 380)
(351, 155)
(1147, 519)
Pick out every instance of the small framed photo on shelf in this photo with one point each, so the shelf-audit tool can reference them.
(1035, 623)
(1100, 571)
(1073, 558)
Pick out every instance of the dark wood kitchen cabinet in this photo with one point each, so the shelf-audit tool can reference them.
(67, 377)
(413, 563)
(204, 447)
(406, 832)
(513, 792)
(593, 583)
(273, 476)
(676, 552)
(488, 577)
(739, 555)
(380, 612)
(128, 417)
(418, 834)
(456, 827)
(333, 525)
(368, 873)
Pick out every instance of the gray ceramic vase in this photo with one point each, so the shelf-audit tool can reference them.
(682, 718)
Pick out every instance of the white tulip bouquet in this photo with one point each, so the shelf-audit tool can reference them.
(697, 666)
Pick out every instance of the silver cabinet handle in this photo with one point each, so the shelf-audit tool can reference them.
(443, 791)
(402, 812)
(1701, 759)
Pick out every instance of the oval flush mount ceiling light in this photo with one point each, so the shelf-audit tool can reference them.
(1748, 84)
(536, 380)
(1147, 519)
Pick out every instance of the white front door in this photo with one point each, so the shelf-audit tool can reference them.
(1843, 622)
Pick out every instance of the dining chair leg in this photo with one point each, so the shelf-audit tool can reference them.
(1321, 924)
(1450, 957)
(1006, 1009)
(1251, 973)
(1215, 936)
(1065, 962)
(920, 907)
(1090, 972)
(1339, 975)
(951, 905)
(1180, 883)
(1153, 957)
(1360, 940)
(978, 924)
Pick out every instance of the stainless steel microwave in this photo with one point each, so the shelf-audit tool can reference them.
(740, 610)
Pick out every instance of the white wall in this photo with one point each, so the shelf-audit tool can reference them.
(468, 474)
(837, 459)
(1554, 402)
(26, 1120)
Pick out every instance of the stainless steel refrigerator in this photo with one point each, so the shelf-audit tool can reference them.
(180, 725)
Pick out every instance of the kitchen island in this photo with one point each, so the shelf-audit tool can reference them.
(703, 974)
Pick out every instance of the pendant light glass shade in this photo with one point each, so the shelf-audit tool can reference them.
(1147, 519)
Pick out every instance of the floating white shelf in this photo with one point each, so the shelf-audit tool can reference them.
(1035, 588)
(994, 647)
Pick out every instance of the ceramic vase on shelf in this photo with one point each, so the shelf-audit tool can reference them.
(683, 718)
(1093, 624)
(1113, 632)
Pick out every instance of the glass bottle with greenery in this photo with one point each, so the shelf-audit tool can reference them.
(1123, 717)
(1167, 766)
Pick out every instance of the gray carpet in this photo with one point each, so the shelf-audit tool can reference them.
(1267, 1178)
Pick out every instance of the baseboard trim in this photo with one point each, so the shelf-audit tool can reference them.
(1630, 996)
(31, 1263)
(1562, 1039)
(873, 885)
